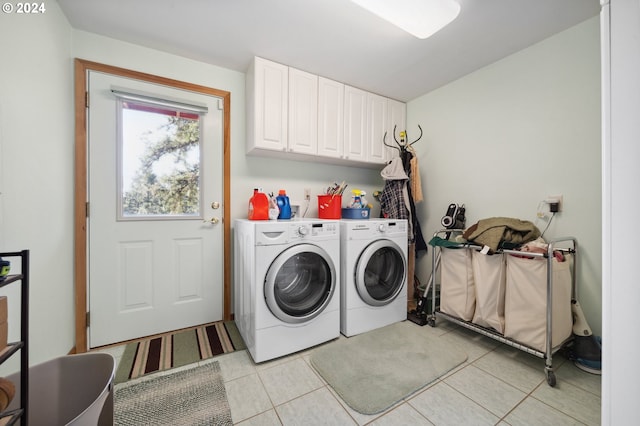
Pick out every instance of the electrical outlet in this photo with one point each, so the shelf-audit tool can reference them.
(555, 199)
(307, 194)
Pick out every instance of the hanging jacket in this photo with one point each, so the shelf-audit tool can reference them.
(394, 198)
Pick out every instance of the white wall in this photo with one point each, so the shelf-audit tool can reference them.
(502, 139)
(36, 173)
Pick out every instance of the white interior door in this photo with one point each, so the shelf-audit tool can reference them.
(155, 172)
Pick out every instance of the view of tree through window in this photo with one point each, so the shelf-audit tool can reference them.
(160, 156)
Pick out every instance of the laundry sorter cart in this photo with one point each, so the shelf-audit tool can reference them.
(519, 298)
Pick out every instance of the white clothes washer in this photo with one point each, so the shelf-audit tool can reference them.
(286, 284)
(374, 274)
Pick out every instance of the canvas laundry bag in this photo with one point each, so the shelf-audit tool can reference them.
(489, 274)
(525, 308)
(457, 290)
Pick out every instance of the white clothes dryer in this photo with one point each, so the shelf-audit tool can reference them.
(286, 284)
(374, 274)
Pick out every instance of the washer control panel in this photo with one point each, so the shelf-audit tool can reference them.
(312, 230)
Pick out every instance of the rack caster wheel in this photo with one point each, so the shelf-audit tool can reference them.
(551, 378)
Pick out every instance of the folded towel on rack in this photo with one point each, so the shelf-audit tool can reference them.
(493, 231)
(443, 242)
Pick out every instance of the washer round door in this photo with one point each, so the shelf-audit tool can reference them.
(380, 273)
(300, 283)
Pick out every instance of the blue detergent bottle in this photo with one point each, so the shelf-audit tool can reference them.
(283, 205)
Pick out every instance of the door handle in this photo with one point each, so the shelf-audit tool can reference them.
(213, 220)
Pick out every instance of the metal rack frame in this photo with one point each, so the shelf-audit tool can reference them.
(547, 355)
(21, 413)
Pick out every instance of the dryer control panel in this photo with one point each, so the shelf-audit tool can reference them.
(361, 229)
(390, 227)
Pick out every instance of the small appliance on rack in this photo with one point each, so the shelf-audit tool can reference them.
(374, 274)
(286, 284)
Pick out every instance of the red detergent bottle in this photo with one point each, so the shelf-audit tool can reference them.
(258, 206)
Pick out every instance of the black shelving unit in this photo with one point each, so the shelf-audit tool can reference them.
(20, 413)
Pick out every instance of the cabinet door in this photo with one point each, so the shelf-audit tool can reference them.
(355, 128)
(267, 99)
(303, 112)
(397, 113)
(330, 118)
(377, 123)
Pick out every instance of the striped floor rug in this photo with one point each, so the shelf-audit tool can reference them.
(177, 349)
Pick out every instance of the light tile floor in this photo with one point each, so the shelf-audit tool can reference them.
(498, 385)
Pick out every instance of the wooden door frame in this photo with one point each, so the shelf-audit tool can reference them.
(81, 68)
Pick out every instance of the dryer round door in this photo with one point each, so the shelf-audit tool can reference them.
(300, 283)
(380, 273)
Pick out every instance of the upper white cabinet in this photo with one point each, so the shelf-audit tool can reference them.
(366, 120)
(267, 86)
(299, 115)
(330, 118)
(377, 123)
(355, 124)
(303, 112)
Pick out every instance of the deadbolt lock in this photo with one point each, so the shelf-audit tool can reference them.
(215, 205)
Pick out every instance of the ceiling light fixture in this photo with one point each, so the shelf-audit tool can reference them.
(422, 18)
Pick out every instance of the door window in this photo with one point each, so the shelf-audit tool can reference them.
(159, 150)
(302, 284)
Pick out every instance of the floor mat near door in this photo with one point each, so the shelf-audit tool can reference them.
(178, 349)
